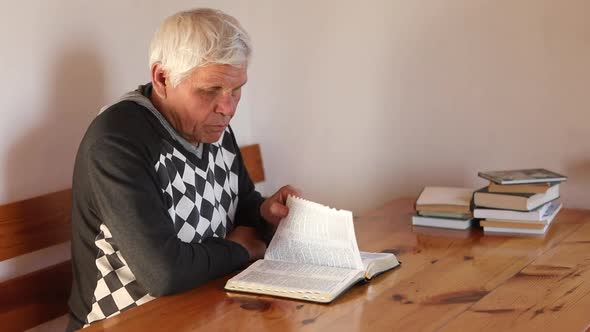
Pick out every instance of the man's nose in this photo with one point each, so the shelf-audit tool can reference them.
(225, 105)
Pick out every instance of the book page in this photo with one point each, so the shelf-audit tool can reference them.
(273, 275)
(445, 196)
(377, 262)
(315, 234)
(369, 257)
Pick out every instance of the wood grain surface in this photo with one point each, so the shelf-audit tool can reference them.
(35, 298)
(35, 223)
(448, 281)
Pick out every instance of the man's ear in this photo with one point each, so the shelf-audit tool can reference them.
(159, 80)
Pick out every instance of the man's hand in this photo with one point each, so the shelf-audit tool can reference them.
(273, 209)
(248, 238)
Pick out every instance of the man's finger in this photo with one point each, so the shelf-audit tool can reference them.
(279, 210)
(289, 190)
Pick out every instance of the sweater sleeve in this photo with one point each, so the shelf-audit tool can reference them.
(125, 196)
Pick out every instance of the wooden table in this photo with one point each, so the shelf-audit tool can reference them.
(448, 281)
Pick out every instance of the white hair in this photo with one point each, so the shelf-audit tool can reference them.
(196, 38)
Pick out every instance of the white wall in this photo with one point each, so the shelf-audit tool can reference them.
(358, 102)
(62, 60)
(354, 102)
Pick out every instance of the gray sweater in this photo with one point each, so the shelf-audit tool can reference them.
(150, 211)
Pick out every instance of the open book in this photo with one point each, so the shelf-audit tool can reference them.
(313, 256)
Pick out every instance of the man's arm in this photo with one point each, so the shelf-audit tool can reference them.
(255, 211)
(125, 195)
(249, 199)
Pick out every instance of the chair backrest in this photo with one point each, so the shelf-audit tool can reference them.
(253, 162)
(27, 226)
(41, 222)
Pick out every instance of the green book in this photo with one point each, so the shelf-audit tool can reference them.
(533, 175)
(445, 215)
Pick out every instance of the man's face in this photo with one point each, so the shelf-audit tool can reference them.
(202, 104)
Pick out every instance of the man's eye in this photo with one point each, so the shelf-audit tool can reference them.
(210, 91)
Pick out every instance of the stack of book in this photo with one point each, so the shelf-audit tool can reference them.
(518, 201)
(444, 207)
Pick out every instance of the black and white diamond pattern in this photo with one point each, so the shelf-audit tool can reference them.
(201, 199)
(116, 288)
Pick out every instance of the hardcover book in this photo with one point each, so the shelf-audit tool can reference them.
(449, 215)
(513, 201)
(515, 231)
(313, 256)
(450, 223)
(533, 175)
(535, 215)
(445, 199)
(541, 215)
(513, 225)
(517, 227)
(531, 188)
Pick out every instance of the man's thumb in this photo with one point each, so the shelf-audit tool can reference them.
(279, 210)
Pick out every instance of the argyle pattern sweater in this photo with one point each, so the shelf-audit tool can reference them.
(150, 212)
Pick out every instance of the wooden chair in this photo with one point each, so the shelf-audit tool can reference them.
(41, 222)
(253, 162)
(27, 226)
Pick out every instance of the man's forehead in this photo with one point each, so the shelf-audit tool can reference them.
(221, 73)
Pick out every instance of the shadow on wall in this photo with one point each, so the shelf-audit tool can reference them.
(578, 184)
(580, 171)
(415, 178)
(42, 159)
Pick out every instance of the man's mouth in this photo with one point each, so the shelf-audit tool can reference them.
(218, 127)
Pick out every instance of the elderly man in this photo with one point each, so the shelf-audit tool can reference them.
(161, 199)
